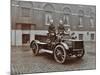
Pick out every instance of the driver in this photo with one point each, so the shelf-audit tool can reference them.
(51, 30)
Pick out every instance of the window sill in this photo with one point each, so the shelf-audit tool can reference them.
(80, 26)
(47, 24)
(66, 25)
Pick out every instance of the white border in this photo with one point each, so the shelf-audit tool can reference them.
(85, 2)
(5, 36)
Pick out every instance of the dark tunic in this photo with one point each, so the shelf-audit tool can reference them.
(51, 28)
(61, 28)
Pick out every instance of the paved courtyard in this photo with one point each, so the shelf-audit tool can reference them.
(23, 61)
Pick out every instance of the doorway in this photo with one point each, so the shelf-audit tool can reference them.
(25, 39)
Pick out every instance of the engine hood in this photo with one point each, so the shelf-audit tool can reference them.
(71, 42)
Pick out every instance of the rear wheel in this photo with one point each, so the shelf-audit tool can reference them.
(35, 48)
(60, 54)
(80, 54)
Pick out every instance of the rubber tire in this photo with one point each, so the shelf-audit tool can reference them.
(79, 57)
(65, 54)
(35, 51)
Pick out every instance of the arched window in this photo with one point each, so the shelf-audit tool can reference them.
(81, 15)
(92, 19)
(48, 13)
(66, 16)
(66, 19)
(48, 17)
(25, 8)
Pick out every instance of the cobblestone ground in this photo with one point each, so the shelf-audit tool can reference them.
(23, 61)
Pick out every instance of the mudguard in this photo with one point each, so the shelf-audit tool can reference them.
(64, 44)
(36, 41)
(31, 43)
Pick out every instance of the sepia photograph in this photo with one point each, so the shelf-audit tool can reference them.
(52, 37)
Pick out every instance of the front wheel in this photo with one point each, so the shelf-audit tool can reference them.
(35, 48)
(60, 54)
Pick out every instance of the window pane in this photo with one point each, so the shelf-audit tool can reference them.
(48, 17)
(80, 36)
(92, 36)
(92, 22)
(66, 19)
(25, 38)
(81, 21)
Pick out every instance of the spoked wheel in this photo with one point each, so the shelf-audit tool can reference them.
(35, 48)
(60, 54)
(80, 54)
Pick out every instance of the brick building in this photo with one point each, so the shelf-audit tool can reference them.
(29, 19)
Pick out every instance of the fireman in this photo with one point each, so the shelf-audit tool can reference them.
(61, 28)
(51, 28)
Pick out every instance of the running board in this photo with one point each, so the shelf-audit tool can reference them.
(45, 50)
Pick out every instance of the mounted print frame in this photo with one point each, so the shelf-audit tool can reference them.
(52, 37)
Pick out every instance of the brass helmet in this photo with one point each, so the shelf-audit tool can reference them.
(61, 22)
(51, 21)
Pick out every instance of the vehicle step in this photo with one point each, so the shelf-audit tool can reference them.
(45, 50)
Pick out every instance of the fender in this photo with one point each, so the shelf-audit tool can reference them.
(31, 43)
(65, 45)
(36, 41)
